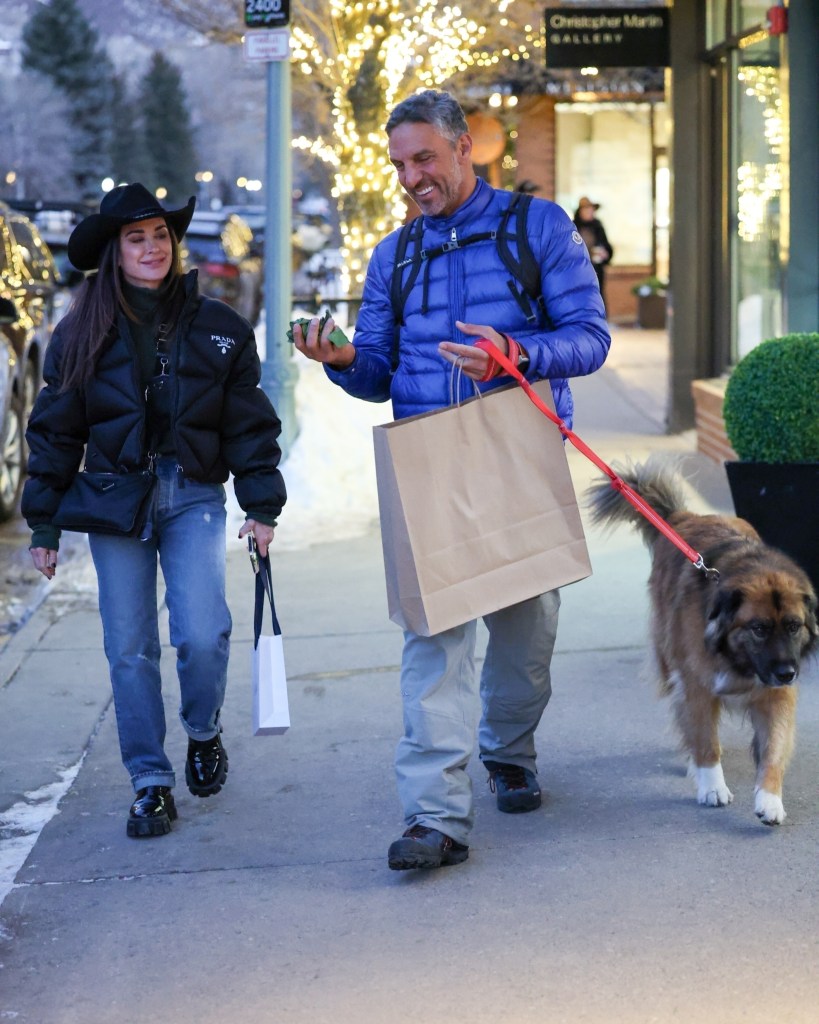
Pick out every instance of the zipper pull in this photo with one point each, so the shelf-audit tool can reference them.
(453, 237)
(180, 472)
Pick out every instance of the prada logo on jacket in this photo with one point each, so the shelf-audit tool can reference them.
(223, 343)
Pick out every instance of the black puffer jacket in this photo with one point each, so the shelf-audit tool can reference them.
(222, 422)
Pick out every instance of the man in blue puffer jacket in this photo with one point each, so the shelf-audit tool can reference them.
(467, 291)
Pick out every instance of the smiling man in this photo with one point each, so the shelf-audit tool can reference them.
(436, 173)
(478, 263)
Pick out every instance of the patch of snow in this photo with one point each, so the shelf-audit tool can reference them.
(21, 824)
(330, 470)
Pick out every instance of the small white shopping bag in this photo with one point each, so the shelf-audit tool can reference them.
(271, 711)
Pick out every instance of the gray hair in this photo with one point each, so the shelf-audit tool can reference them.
(440, 109)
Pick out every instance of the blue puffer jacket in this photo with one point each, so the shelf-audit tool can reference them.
(472, 285)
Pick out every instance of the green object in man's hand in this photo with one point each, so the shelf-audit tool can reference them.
(336, 336)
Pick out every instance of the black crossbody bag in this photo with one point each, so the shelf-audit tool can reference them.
(118, 503)
(113, 503)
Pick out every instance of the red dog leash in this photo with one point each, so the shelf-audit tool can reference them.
(617, 483)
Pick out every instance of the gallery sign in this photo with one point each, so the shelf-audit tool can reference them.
(610, 37)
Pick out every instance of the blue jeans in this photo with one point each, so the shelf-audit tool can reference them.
(186, 530)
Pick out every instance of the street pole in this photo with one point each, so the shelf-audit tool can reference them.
(278, 371)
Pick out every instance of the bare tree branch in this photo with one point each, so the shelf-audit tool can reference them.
(219, 20)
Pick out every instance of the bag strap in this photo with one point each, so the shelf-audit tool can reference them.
(525, 269)
(398, 291)
(264, 586)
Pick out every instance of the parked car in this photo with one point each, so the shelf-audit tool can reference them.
(55, 220)
(220, 245)
(255, 216)
(11, 418)
(36, 296)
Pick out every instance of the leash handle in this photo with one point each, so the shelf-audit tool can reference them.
(617, 482)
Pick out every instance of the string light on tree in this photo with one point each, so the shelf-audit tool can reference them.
(367, 56)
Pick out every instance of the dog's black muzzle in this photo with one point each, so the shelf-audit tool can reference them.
(781, 673)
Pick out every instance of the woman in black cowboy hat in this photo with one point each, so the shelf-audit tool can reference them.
(145, 376)
(593, 234)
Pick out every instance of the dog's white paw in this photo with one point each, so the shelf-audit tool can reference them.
(711, 788)
(768, 807)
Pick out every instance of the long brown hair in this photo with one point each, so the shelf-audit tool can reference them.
(92, 315)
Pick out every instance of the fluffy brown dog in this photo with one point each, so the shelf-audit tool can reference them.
(736, 642)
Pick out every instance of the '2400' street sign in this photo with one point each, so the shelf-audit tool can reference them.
(267, 13)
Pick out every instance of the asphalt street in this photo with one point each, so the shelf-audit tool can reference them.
(620, 902)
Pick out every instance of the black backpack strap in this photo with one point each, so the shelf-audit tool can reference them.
(399, 290)
(524, 268)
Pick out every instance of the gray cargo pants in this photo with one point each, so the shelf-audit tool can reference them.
(439, 692)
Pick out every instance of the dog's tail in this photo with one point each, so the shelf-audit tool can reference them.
(656, 482)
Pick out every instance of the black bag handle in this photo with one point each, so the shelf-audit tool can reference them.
(264, 585)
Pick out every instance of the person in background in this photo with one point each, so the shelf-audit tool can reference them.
(463, 294)
(594, 235)
(143, 373)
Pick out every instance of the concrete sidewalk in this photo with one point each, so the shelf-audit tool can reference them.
(620, 902)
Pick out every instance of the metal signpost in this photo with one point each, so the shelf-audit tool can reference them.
(268, 39)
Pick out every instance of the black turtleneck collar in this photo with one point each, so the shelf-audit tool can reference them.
(143, 301)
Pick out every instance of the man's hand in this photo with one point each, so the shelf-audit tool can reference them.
(475, 360)
(316, 344)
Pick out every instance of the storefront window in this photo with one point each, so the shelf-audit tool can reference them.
(716, 24)
(749, 13)
(606, 151)
(761, 197)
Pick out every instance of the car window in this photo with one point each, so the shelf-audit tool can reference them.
(202, 249)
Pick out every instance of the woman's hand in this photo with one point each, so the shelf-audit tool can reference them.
(316, 344)
(263, 534)
(45, 561)
(475, 360)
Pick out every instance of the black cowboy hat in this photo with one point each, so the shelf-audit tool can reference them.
(124, 204)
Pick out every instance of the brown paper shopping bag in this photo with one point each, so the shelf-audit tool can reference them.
(478, 510)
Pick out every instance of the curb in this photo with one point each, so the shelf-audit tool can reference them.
(37, 621)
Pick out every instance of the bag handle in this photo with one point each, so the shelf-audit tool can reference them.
(264, 585)
(455, 375)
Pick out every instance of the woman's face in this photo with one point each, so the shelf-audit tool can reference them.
(145, 252)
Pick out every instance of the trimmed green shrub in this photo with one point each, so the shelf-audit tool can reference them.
(771, 408)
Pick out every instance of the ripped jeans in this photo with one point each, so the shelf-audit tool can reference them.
(185, 534)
